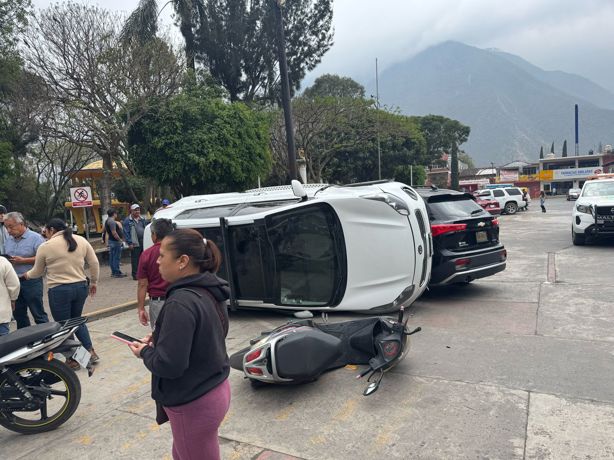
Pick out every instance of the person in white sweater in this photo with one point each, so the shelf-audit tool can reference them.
(9, 291)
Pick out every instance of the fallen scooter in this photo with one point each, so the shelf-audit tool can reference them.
(37, 391)
(300, 351)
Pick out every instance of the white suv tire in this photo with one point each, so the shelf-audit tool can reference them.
(510, 207)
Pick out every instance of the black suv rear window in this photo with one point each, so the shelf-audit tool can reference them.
(450, 207)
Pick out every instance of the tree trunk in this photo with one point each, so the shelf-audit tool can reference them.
(105, 182)
(454, 168)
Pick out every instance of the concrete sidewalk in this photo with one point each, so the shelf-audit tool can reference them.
(116, 416)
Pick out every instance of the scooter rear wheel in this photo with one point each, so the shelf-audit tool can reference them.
(56, 387)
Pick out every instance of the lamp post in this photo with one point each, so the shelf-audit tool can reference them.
(379, 150)
(285, 89)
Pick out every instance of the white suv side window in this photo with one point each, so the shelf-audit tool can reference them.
(513, 191)
(498, 193)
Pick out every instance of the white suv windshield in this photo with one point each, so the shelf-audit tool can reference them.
(598, 189)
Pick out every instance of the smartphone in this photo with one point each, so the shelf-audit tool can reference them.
(125, 338)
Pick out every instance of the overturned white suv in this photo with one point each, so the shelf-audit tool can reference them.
(361, 247)
(593, 212)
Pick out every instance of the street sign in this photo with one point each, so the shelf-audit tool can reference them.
(81, 197)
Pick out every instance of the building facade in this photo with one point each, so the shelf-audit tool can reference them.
(558, 174)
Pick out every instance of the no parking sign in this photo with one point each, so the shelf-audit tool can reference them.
(81, 197)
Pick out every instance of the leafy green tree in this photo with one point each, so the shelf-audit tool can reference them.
(466, 158)
(441, 134)
(329, 85)
(142, 24)
(99, 86)
(564, 152)
(13, 19)
(415, 175)
(198, 144)
(541, 152)
(237, 42)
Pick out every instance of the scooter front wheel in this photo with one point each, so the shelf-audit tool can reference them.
(54, 386)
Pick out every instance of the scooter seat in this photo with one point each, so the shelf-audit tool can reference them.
(22, 337)
(304, 355)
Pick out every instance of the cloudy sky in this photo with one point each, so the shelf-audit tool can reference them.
(571, 35)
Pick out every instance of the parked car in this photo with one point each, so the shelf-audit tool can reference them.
(492, 206)
(363, 247)
(593, 212)
(573, 193)
(509, 198)
(466, 242)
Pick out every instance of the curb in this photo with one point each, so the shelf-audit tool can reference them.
(111, 311)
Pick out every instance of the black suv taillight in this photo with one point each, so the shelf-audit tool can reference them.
(440, 229)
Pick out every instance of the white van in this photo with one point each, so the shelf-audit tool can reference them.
(509, 198)
(362, 247)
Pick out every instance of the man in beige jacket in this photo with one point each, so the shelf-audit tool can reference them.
(9, 291)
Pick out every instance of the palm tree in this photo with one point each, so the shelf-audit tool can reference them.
(142, 24)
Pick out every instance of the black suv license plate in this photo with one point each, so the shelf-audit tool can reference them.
(481, 237)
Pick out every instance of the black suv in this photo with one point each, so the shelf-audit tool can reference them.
(466, 242)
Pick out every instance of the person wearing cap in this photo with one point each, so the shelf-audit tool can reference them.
(4, 234)
(165, 203)
(134, 228)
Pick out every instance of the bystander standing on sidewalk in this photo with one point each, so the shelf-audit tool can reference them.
(63, 259)
(9, 291)
(4, 234)
(113, 235)
(542, 200)
(134, 228)
(150, 280)
(186, 353)
(21, 246)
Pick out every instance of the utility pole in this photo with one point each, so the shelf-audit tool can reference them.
(379, 151)
(285, 89)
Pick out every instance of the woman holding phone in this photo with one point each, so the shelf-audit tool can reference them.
(186, 353)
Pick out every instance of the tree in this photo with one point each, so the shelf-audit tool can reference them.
(541, 152)
(198, 144)
(552, 148)
(329, 85)
(100, 87)
(237, 42)
(564, 151)
(466, 158)
(441, 134)
(13, 19)
(142, 24)
(416, 175)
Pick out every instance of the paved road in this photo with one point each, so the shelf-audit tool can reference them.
(519, 365)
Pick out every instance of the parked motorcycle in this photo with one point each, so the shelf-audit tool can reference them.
(37, 391)
(300, 351)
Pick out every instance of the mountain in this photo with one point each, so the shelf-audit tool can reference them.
(512, 106)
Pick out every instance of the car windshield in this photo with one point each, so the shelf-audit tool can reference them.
(598, 189)
(450, 207)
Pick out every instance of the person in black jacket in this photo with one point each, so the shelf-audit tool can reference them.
(186, 353)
